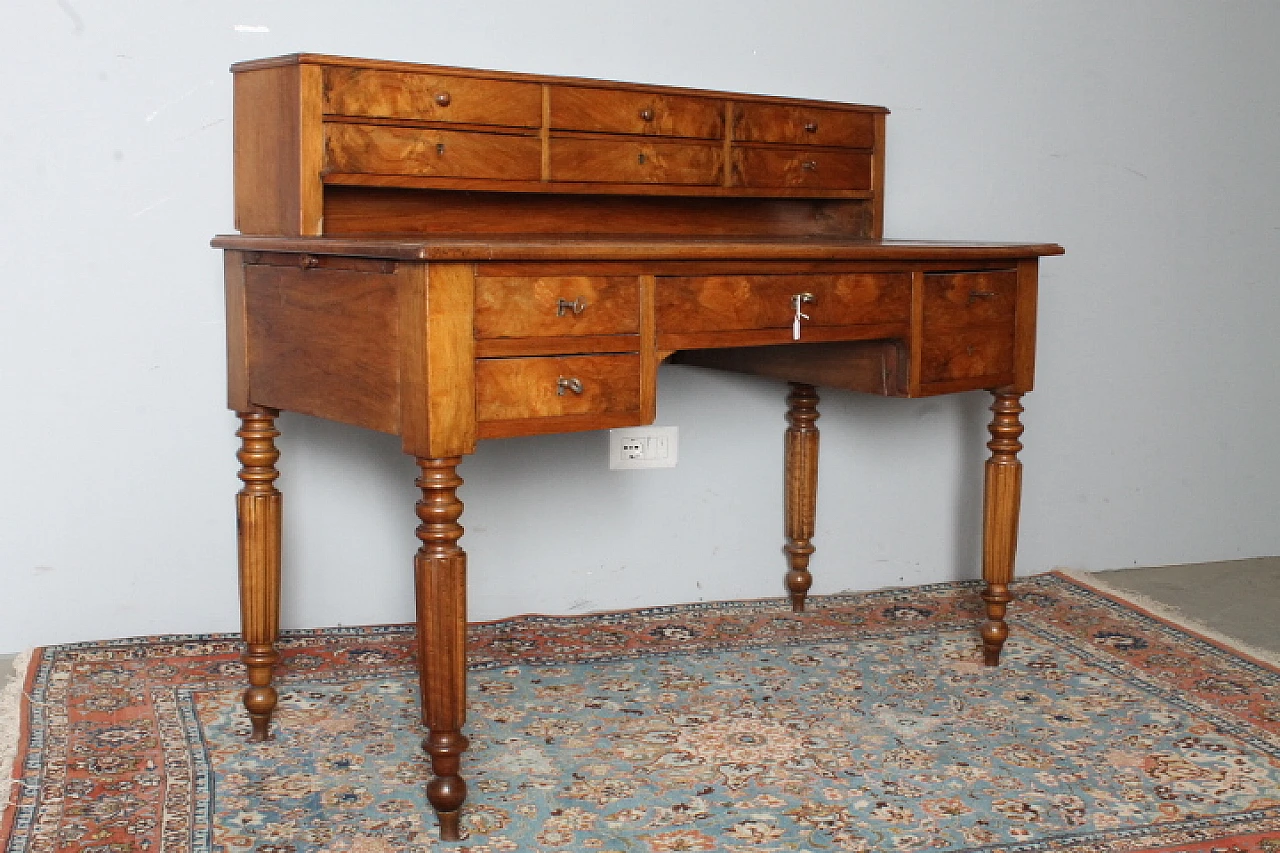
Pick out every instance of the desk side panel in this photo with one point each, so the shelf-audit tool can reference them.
(237, 335)
(322, 338)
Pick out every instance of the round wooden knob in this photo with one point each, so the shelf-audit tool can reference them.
(811, 126)
(443, 99)
(646, 115)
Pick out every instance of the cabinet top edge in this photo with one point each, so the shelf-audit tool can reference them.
(392, 65)
(543, 248)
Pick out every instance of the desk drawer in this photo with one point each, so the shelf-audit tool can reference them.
(800, 125)
(551, 306)
(744, 302)
(968, 326)
(799, 167)
(966, 354)
(640, 113)
(519, 388)
(383, 150)
(636, 161)
(966, 298)
(431, 97)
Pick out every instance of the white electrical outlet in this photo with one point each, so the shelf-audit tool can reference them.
(643, 447)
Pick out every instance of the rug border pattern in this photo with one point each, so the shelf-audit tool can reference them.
(187, 812)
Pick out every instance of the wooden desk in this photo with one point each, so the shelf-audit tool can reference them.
(451, 255)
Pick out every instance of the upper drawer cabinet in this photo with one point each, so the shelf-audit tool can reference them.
(431, 97)
(635, 112)
(321, 139)
(800, 125)
(365, 149)
(801, 167)
(629, 161)
(551, 306)
(752, 302)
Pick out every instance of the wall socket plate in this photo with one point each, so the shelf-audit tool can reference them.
(643, 447)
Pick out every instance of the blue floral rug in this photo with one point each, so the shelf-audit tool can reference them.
(867, 724)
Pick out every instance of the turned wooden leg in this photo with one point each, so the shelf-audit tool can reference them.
(440, 575)
(801, 488)
(258, 526)
(1001, 499)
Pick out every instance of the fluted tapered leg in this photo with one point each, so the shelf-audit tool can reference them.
(1001, 501)
(258, 524)
(801, 489)
(440, 574)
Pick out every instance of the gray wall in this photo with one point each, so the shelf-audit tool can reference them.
(1142, 136)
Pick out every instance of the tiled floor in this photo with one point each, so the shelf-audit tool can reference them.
(1240, 598)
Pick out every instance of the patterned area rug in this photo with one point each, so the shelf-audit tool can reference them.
(867, 724)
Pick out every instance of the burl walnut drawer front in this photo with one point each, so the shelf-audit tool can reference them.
(640, 113)
(800, 125)
(431, 97)
(746, 302)
(970, 298)
(383, 150)
(966, 354)
(798, 167)
(621, 161)
(549, 306)
(968, 325)
(519, 388)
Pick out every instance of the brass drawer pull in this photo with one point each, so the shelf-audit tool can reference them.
(440, 148)
(577, 306)
(975, 295)
(571, 383)
(811, 126)
(641, 158)
(443, 99)
(646, 115)
(809, 165)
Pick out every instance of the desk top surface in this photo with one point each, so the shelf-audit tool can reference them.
(542, 247)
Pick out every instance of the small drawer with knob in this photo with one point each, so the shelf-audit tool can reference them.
(801, 125)
(635, 161)
(528, 315)
(364, 92)
(517, 389)
(373, 149)
(791, 168)
(635, 112)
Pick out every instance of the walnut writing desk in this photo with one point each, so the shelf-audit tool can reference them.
(449, 255)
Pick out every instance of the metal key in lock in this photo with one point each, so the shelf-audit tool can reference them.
(797, 302)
